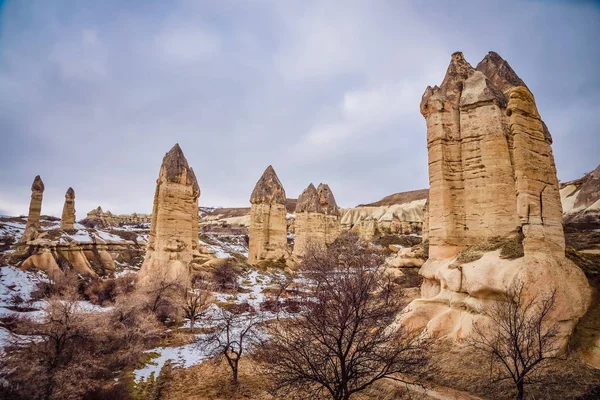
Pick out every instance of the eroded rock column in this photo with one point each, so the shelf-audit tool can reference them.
(268, 228)
(174, 229)
(67, 221)
(35, 208)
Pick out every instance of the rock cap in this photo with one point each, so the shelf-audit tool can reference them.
(70, 194)
(308, 201)
(37, 185)
(176, 169)
(327, 200)
(268, 189)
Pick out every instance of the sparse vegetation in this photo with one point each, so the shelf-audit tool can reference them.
(510, 248)
(520, 339)
(342, 344)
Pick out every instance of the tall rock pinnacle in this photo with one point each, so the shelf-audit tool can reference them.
(268, 229)
(173, 240)
(67, 221)
(35, 208)
(492, 183)
(317, 220)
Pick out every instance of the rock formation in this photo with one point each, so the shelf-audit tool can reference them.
(492, 177)
(35, 209)
(268, 228)
(317, 221)
(98, 217)
(581, 201)
(67, 221)
(173, 240)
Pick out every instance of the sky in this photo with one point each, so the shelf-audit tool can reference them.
(94, 93)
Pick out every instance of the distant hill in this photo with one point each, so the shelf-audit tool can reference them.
(399, 198)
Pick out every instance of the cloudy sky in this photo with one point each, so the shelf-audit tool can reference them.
(94, 93)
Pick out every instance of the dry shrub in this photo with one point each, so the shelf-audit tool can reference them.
(104, 291)
(226, 275)
(510, 248)
(70, 352)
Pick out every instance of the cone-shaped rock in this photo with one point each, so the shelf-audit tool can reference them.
(35, 208)
(268, 229)
(492, 178)
(173, 236)
(317, 221)
(67, 221)
(499, 72)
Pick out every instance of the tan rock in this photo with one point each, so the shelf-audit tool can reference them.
(173, 238)
(492, 174)
(268, 228)
(67, 221)
(317, 221)
(35, 208)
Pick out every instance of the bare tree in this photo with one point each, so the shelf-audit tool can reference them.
(40, 360)
(226, 275)
(70, 351)
(343, 343)
(234, 332)
(163, 293)
(195, 302)
(282, 282)
(519, 336)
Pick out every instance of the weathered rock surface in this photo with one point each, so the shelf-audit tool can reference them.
(67, 221)
(317, 221)
(492, 174)
(173, 240)
(107, 219)
(268, 228)
(35, 209)
(581, 201)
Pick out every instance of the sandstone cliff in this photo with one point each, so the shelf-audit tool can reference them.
(268, 229)
(173, 239)
(492, 180)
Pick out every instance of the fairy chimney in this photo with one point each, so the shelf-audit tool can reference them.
(173, 236)
(67, 221)
(268, 229)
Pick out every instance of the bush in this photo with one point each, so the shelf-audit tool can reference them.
(510, 248)
(103, 291)
(226, 275)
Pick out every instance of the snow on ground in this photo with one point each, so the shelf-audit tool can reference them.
(81, 236)
(15, 282)
(226, 245)
(190, 354)
(109, 236)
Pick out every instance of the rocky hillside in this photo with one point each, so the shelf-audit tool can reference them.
(581, 201)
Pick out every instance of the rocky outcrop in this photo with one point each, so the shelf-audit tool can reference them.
(581, 201)
(396, 214)
(268, 229)
(173, 240)
(35, 209)
(492, 175)
(317, 221)
(100, 218)
(67, 221)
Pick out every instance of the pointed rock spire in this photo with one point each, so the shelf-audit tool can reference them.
(326, 200)
(35, 209)
(499, 72)
(308, 201)
(268, 189)
(37, 185)
(67, 221)
(175, 168)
